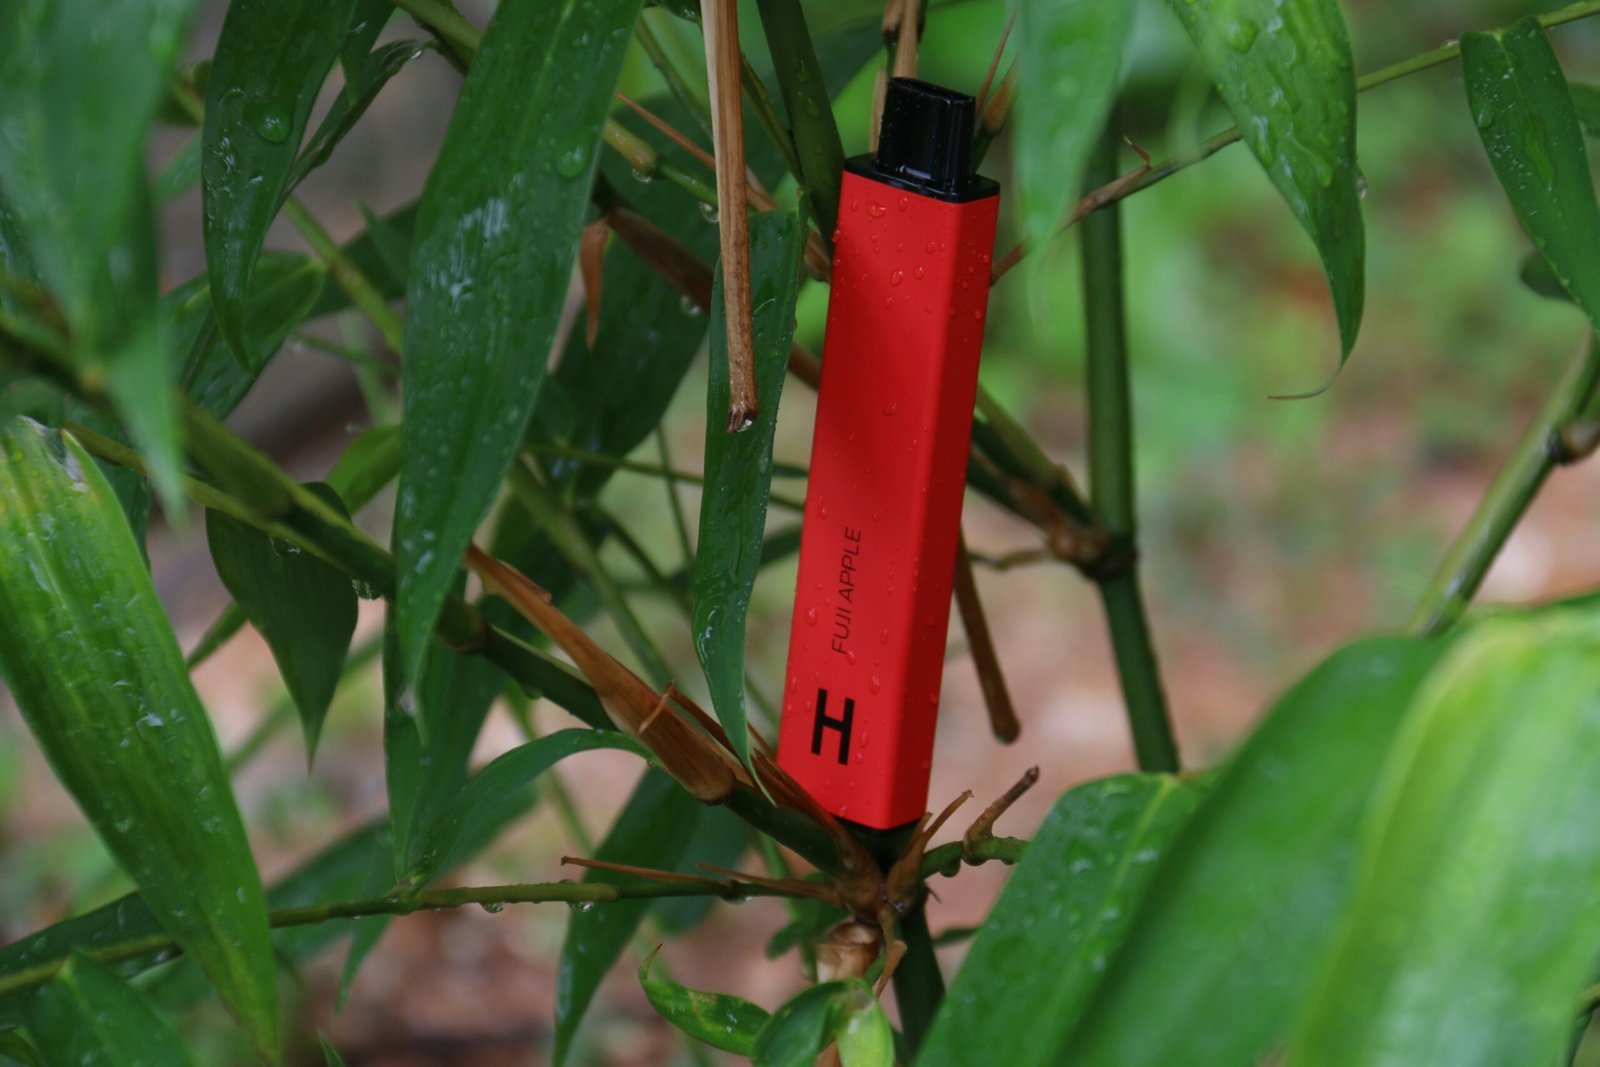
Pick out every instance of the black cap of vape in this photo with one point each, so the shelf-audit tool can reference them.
(925, 141)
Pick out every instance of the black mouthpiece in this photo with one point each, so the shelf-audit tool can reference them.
(925, 141)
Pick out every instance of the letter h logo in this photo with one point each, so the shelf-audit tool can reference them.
(842, 724)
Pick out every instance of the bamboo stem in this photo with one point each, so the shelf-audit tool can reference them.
(1111, 475)
(1539, 451)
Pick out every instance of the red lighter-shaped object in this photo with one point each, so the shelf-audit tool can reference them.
(889, 462)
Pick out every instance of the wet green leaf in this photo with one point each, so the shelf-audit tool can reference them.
(653, 831)
(1069, 59)
(1474, 929)
(738, 469)
(719, 1019)
(1530, 129)
(428, 734)
(367, 464)
(82, 82)
(496, 234)
(282, 293)
(92, 661)
(304, 607)
(1210, 944)
(87, 1014)
(1284, 69)
(503, 788)
(348, 107)
(843, 1010)
(15, 1049)
(1061, 915)
(271, 58)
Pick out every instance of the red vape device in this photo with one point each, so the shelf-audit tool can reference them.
(889, 462)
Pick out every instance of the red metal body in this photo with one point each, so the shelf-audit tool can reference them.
(883, 507)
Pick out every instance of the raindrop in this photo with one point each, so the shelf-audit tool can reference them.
(905, 203)
(876, 210)
(570, 163)
(643, 177)
(709, 212)
(494, 907)
(270, 122)
(581, 906)
(811, 616)
(897, 277)
(919, 273)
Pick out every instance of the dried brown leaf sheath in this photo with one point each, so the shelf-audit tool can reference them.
(685, 753)
(720, 21)
(591, 264)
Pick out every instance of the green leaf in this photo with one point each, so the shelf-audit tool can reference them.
(331, 1054)
(428, 734)
(738, 469)
(351, 104)
(14, 1048)
(1475, 925)
(82, 82)
(843, 1010)
(1069, 57)
(1061, 915)
(271, 58)
(497, 231)
(1240, 912)
(367, 464)
(86, 1014)
(805, 98)
(720, 838)
(1586, 102)
(1284, 69)
(304, 607)
(653, 831)
(504, 786)
(92, 662)
(369, 253)
(720, 1020)
(180, 173)
(282, 293)
(1530, 129)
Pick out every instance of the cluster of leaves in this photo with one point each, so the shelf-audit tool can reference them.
(1396, 867)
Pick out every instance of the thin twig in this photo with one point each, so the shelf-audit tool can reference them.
(994, 61)
(985, 660)
(982, 828)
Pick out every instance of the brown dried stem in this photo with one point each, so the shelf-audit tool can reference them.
(985, 659)
(720, 21)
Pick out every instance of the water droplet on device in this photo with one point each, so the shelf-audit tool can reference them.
(876, 210)
(811, 616)
(919, 274)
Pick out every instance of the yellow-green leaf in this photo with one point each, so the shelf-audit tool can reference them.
(92, 661)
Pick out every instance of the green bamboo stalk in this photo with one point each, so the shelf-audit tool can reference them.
(1541, 449)
(1111, 473)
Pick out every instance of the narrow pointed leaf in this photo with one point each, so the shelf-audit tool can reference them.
(271, 58)
(805, 97)
(653, 830)
(82, 82)
(304, 607)
(87, 1014)
(331, 1054)
(283, 292)
(1285, 70)
(738, 470)
(1208, 944)
(505, 785)
(1475, 927)
(719, 1019)
(1062, 914)
(92, 662)
(1530, 129)
(497, 230)
(428, 734)
(14, 1048)
(367, 464)
(359, 93)
(1069, 58)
